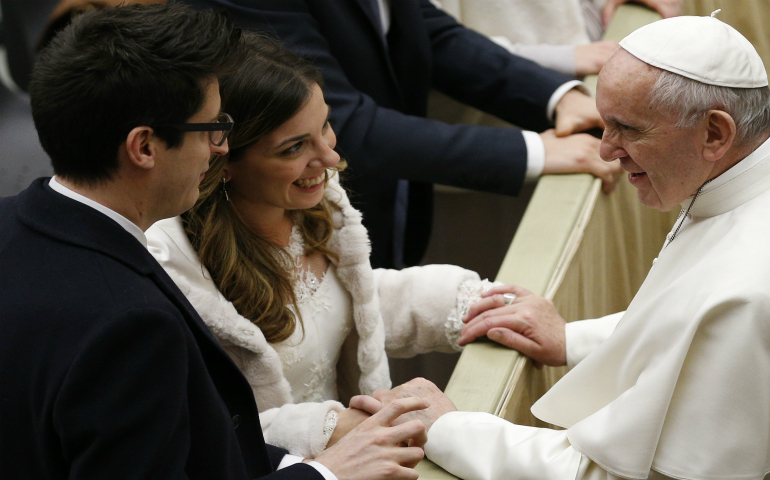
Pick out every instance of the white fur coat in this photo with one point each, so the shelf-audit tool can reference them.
(398, 313)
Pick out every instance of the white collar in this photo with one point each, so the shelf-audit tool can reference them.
(127, 224)
(744, 181)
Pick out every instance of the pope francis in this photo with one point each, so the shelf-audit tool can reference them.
(678, 386)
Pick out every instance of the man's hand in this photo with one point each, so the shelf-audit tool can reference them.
(576, 112)
(579, 153)
(439, 404)
(591, 57)
(372, 450)
(530, 324)
(667, 8)
(347, 420)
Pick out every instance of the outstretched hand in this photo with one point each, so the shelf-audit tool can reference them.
(530, 324)
(666, 8)
(373, 450)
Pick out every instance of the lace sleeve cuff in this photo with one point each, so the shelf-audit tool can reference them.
(330, 423)
(468, 293)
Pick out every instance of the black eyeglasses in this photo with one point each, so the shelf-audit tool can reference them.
(218, 130)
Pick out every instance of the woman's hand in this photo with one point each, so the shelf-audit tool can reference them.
(347, 420)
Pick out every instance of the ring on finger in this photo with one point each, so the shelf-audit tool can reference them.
(508, 298)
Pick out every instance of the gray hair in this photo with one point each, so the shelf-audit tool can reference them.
(690, 99)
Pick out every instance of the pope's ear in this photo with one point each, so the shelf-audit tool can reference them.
(141, 147)
(720, 135)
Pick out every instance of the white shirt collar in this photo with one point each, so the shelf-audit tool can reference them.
(127, 224)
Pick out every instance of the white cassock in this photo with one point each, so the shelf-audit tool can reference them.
(680, 389)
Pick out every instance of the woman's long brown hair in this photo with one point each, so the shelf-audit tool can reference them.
(268, 89)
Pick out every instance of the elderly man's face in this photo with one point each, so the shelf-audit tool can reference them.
(663, 162)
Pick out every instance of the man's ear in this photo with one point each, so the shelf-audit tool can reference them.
(141, 147)
(720, 135)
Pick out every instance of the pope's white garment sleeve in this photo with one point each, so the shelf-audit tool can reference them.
(480, 446)
(582, 337)
(289, 460)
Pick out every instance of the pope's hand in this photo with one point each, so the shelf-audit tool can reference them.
(439, 404)
(530, 324)
(666, 8)
(578, 153)
(373, 448)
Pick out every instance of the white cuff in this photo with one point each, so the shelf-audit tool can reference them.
(535, 155)
(561, 91)
(327, 474)
(289, 460)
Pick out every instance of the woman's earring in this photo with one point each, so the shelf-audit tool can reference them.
(224, 187)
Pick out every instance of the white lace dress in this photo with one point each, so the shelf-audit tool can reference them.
(310, 355)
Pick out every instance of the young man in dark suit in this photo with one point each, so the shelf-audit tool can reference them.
(106, 371)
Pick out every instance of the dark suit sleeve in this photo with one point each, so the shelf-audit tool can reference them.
(386, 143)
(276, 455)
(121, 411)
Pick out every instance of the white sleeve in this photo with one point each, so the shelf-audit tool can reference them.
(418, 304)
(480, 446)
(298, 427)
(582, 337)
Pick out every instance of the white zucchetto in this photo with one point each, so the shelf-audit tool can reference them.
(701, 48)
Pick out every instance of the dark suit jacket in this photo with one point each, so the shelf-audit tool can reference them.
(378, 93)
(106, 371)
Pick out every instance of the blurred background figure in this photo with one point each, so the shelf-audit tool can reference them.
(21, 157)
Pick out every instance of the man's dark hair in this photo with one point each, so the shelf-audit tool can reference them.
(116, 69)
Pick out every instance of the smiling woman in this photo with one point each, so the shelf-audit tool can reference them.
(276, 261)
